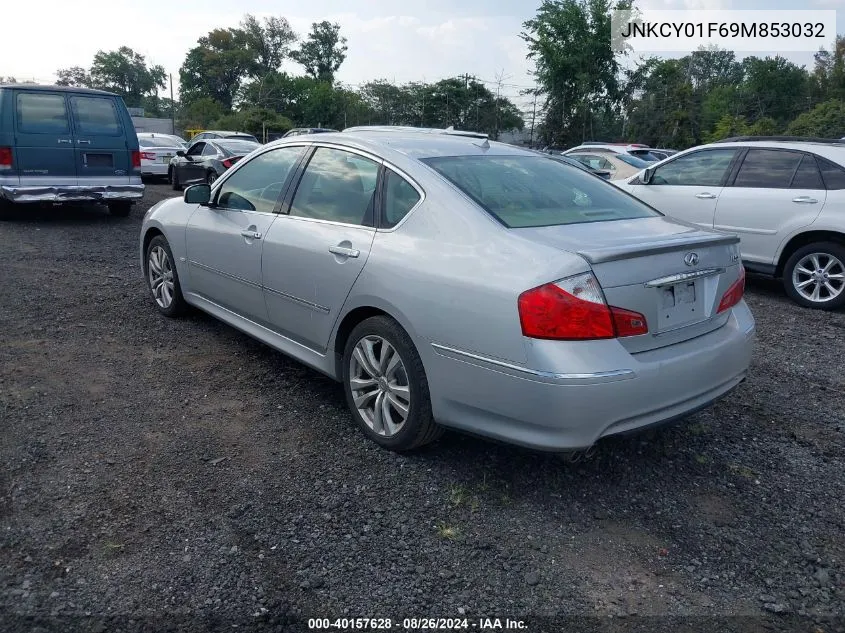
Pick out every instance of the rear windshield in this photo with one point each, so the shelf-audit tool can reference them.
(526, 191)
(237, 146)
(242, 137)
(157, 142)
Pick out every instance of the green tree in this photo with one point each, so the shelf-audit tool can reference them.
(827, 80)
(217, 67)
(322, 52)
(256, 121)
(73, 76)
(200, 113)
(774, 87)
(826, 120)
(269, 42)
(727, 127)
(570, 44)
(125, 72)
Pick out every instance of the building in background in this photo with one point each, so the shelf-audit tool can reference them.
(148, 124)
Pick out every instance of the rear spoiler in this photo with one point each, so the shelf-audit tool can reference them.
(602, 255)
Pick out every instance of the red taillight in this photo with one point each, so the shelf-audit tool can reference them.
(734, 294)
(136, 158)
(575, 309)
(5, 157)
(147, 156)
(228, 162)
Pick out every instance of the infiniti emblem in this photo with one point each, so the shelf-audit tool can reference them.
(691, 259)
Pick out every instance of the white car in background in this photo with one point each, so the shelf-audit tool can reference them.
(157, 150)
(620, 164)
(783, 196)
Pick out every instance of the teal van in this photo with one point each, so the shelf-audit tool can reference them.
(67, 144)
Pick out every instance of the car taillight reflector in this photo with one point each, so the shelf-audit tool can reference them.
(5, 157)
(575, 309)
(230, 161)
(733, 295)
(136, 158)
(148, 156)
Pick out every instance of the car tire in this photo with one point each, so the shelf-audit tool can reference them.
(211, 177)
(158, 262)
(393, 386)
(174, 180)
(120, 209)
(812, 271)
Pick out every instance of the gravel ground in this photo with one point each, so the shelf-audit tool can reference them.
(174, 473)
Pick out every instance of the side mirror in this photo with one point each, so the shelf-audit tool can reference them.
(180, 152)
(647, 175)
(198, 194)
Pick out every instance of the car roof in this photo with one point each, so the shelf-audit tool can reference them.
(413, 144)
(227, 132)
(45, 88)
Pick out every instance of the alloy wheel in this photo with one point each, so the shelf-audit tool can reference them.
(819, 277)
(379, 385)
(160, 273)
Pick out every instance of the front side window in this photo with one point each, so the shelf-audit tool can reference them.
(196, 149)
(96, 115)
(257, 184)
(39, 113)
(399, 198)
(338, 186)
(767, 169)
(705, 168)
(530, 191)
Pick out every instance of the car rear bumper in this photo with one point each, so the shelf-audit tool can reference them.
(558, 412)
(71, 193)
(154, 169)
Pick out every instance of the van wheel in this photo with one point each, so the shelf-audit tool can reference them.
(120, 209)
(6, 210)
(386, 386)
(814, 276)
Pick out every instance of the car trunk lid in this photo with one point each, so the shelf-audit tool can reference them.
(672, 273)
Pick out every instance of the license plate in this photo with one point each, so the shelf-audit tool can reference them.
(166, 158)
(679, 304)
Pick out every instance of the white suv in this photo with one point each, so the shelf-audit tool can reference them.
(784, 198)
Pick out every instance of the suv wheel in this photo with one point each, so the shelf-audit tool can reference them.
(814, 276)
(386, 386)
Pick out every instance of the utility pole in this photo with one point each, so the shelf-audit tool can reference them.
(172, 108)
(500, 77)
(533, 118)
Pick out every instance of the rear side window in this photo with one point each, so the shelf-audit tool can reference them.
(833, 175)
(39, 113)
(337, 186)
(705, 168)
(807, 176)
(529, 191)
(767, 169)
(399, 198)
(96, 115)
(593, 161)
(209, 150)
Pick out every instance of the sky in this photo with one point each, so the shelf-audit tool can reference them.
(398, 40)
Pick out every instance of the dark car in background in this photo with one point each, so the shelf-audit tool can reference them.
(67, 144)
(218, 134)
(206, 160)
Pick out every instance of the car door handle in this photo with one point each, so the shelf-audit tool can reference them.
(80, 141)
(251, 235)
(706, 195)
(64, 140)
(805, 200)
(344, 251)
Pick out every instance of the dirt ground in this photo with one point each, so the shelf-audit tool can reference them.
(164, 474)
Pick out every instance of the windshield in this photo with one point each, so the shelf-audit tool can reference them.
(633, 160)
(243, 137)
(527, 191)
(157, 142)
(237, 146)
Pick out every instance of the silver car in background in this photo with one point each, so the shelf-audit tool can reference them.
(452, 282)
(157, 150)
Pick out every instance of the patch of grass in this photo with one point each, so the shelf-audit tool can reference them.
(447, 532)
(742, 471)
(702, 459)
(458, 495)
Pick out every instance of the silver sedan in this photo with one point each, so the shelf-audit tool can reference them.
(451, 282)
